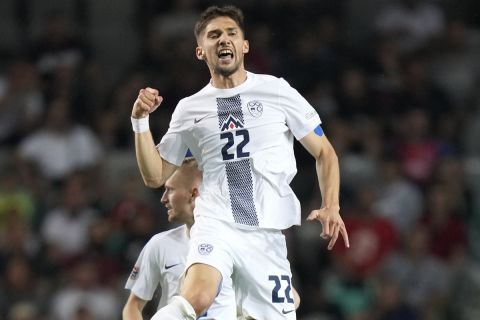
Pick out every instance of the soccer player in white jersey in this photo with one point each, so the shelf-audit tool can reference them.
(162, 260)
(240, 128)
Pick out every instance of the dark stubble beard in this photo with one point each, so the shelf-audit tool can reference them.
(228, 71)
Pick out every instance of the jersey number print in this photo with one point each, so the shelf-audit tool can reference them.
(276, 296)
(231, 141)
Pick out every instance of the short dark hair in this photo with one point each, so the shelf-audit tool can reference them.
(213, 12)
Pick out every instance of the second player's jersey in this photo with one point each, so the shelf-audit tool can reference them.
(162, 263)
(242, 139)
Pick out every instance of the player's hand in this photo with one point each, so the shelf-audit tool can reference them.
(147, 101)
(332, 225)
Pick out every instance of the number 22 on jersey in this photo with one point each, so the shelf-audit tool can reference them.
(242, 137)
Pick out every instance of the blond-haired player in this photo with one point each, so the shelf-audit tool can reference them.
(162, 260)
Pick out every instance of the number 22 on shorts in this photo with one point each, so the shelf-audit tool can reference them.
(277, 295)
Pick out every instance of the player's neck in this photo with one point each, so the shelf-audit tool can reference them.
(226, 82)
(189, 226)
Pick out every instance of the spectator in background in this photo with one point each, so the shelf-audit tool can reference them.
(178, 20)
(456, 68)
(443, 220)
(352, 297)
(423, 279)
(15, 198)
(59, 48)
(65, 228)
(414, 23)
(355, 97)
(451, 172)
(133, 218)
(19, 286)
(465, 290)
(374, 237)
(323, 98)
(359, 160)
(84, 295)
(17, 238)
(399, 200)
(418, 149)
(61, 146)
(384, 61)
(418, 91)
(21, 102)
(390, 301)
(315, 48)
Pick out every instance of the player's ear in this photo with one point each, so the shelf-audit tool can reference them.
(246, 46)
(195, 193)
(199, 53)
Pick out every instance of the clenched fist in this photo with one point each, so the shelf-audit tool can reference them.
(147, 101)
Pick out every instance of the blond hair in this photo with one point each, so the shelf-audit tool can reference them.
(189, 173)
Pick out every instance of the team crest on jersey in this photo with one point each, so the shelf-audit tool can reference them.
(205, 249)
(255, 107)
(231, 123)
(134, 273)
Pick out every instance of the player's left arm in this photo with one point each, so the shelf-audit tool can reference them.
(328, 173)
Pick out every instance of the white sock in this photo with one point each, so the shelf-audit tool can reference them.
(178, 309)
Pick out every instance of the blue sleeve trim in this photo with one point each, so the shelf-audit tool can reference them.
(318, 130)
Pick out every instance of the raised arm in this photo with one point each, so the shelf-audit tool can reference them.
(154, 170)
(133, 308)
(328, 173)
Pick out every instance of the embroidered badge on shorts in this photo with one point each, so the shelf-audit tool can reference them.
(205, 249)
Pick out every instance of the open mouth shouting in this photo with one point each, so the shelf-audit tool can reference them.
(225, 55)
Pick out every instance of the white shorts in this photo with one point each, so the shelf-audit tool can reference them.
(256, 260)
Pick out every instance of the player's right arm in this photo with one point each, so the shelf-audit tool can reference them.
(154, 170)
(133, 308)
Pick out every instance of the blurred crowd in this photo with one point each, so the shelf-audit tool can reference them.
(394, 81)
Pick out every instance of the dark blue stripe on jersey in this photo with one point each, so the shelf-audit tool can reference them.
(240, 185)
(229, 106)
(239, 173)
(318, 130)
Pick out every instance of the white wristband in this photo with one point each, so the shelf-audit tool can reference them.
(140, 125)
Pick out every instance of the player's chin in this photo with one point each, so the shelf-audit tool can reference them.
(226, 71)
(171, 216)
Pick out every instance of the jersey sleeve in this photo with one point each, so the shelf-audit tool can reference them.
(145, 276)
(172, 147)
(301, 117)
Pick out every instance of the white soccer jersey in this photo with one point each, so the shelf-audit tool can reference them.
(242, 139)
(162, 262)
